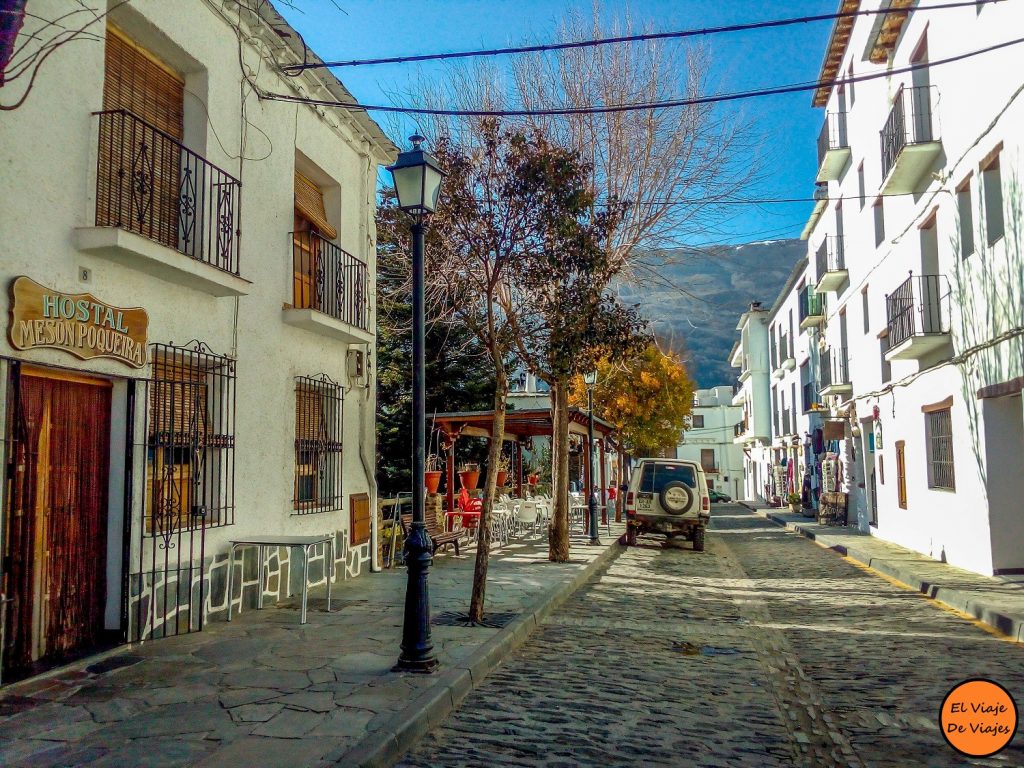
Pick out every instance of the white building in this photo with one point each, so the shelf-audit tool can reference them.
(190, 342)
(709, 439)
(753, 432)
(919, 253)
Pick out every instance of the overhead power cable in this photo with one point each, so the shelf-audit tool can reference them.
(664, 104)
(674, 35)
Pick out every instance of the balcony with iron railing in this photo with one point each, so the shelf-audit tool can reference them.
(329, 290)
(909, 140)
(810, 398)
(737, 393)
(740, 430)
(833, 147)
(830, 261)
(835, 372)
(812, 307)
(917, 315)
(163, 209)
(785, 361)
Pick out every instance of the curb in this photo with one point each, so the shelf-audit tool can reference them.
(966, 601)
(384, 746)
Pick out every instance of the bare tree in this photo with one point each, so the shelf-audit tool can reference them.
(28, 39)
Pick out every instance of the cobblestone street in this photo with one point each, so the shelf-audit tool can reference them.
(764, 650)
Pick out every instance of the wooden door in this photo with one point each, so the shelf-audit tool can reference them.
(58, 518)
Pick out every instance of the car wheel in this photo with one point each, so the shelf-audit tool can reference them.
(698, 540)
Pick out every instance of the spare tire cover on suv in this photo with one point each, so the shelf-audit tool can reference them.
(676, 498)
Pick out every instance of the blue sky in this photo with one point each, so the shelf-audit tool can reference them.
(351, 29)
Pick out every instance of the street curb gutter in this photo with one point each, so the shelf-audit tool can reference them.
(384, 746)
(966, 601)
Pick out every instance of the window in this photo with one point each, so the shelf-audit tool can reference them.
(883, 347)
(310, 239)
(901, 474)
(964, 206)
(879, 222)
(992, 194)
(697, 421)
(865, 311)
(707, 460)
(657, 476)
(319, 412)
(140, 157)
(190, 442)
(861, 191)
(939, 433)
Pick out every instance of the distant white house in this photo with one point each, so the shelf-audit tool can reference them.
(753, 432)
(709, 439)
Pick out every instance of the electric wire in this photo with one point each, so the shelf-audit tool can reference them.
(647, 36)
(650, 105)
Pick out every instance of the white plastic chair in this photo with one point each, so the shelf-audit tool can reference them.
(527, 514)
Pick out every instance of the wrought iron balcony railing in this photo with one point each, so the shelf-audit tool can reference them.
(149, 183)
(918, 307)
(740, 429)
(909, 122)
(329, 280)
(835, 367)
(832, 135)
(831, 256)
(811, 304)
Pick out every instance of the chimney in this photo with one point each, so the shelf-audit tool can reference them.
(755, 306)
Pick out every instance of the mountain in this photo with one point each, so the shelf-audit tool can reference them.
(693, 297)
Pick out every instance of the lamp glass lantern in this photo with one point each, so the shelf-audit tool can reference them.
(590, 378)
(417, 176)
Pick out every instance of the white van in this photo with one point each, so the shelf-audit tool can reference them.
(669, 497)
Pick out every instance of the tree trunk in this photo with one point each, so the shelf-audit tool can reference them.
(483, 549)
(558, 533)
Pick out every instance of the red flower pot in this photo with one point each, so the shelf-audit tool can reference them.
(502, 478)
(470, 479)
(432, 480)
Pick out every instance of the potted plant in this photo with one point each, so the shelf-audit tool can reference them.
(794, 502)
(504, 466)
(532, 476)
(469, 475)
(432, 474)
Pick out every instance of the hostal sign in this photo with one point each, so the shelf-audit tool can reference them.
(78, 323)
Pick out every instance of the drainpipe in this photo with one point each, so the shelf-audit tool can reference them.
(367, 454)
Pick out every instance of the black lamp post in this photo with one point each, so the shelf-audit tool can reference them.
(590, 379)
(417, 177)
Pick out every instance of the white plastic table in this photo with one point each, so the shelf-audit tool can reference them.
(293, 542)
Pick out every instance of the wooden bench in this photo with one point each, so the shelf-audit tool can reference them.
(438, 536)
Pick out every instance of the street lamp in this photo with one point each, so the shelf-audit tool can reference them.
(417, 177)
(590, 379)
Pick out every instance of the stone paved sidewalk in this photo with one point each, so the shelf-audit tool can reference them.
(264, 690)
(995, 601)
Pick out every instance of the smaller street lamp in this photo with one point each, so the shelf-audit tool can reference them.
(417, 177)
(590, 379)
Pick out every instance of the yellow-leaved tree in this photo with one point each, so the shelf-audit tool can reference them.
(647, 398)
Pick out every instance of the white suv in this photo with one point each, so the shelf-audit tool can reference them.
(670, 497)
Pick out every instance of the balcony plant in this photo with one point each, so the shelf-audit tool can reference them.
(432, 473)
(794, 502)
(504, 467)
(469, 475)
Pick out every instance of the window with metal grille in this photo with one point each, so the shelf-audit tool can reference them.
(190, 439)
(939, 430)
(697, 421)
(319, 415)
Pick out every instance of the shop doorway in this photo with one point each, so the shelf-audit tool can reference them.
(55, 520)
